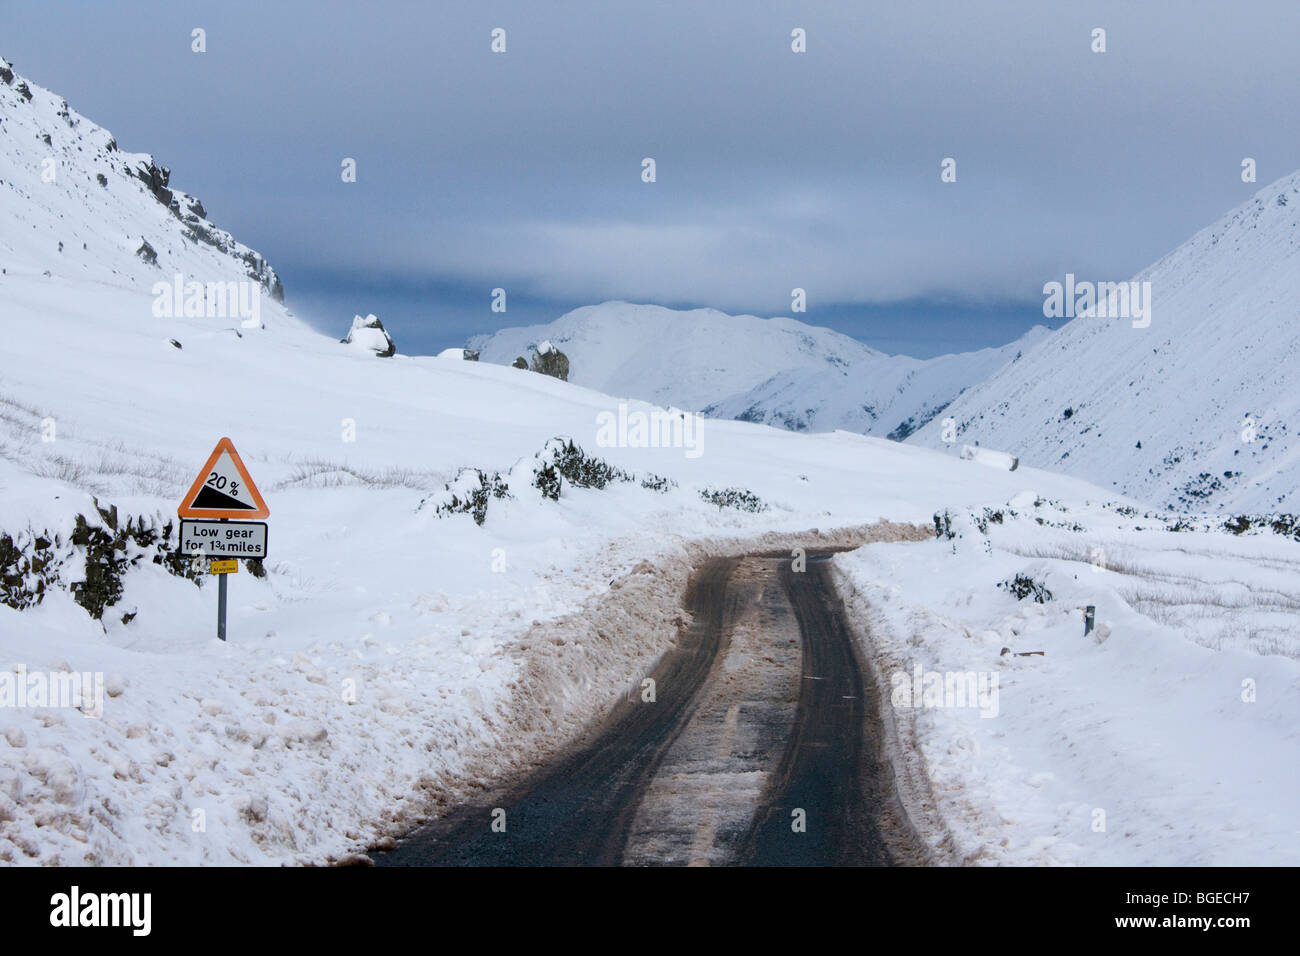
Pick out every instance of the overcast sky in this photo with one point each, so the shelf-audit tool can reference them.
(774, 169)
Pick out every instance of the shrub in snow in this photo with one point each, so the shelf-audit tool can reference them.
(1023, 586)
(28, 567)
(657, 483)
(579, 468)
(34, 563)
(469, 493)
(582, 470)
(737, 498)
(369, 334)
(547, 481)
(548, 360)
(1287, 525)
(559, 461)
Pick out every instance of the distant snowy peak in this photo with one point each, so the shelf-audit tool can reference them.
(685, 358)
(1195, 411)
(890, 396)
(779, 372)
(77, 207)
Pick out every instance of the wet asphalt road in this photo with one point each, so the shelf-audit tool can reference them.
(821, 805)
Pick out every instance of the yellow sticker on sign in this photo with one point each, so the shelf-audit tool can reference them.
(223, 567)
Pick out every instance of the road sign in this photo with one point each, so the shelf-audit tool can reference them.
(216, 566)
(224, 539)
(223, 489)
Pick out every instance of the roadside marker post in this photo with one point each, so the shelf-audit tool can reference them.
(223, 490)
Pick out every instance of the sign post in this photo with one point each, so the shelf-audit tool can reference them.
(223, 491)
(221, 607)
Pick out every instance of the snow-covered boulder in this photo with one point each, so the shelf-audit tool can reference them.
(549, 360)
(468, 355)
(994, 459)
(369, 334)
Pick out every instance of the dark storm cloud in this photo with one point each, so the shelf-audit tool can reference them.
(775, 169)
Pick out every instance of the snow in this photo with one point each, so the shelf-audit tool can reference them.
(1165, 738)
(1195, 412)
(367, 335)
(392, 660)
(985, 456)
(777, 371)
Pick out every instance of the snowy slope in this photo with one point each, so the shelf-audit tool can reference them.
(59, 218)
(684, 358)
(1217, 367)
(886, 395)
(779, 372)
(1150, 740)
(393, 659)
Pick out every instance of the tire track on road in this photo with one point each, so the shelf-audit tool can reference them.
(578, 812)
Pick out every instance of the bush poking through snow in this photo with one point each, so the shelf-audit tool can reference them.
(559, 461)
(582, 470)
(738, 498)
(547, 481)
(1023, 586)
(34, 563)
(657, 483)
(469, 493)
(1286, 525)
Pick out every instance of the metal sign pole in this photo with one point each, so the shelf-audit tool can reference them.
(221, 603)
(221, 607)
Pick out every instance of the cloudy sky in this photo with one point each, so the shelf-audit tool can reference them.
(775, 170)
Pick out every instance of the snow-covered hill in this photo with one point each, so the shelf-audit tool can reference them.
(1198, 410)
(779, 372)
(80, 210)
(401, 649)
(689, 359)
(886, 395)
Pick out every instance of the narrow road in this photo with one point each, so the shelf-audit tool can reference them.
(822, 809)
(820, 802)
(578, 812)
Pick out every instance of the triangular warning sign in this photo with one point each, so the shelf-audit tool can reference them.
(223, 489)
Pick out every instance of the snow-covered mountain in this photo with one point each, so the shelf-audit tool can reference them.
(885, 395)
(689, 359)
(779, 371)
(79, 209)
(1196, 411)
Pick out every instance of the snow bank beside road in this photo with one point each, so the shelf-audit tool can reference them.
(1137, 745)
